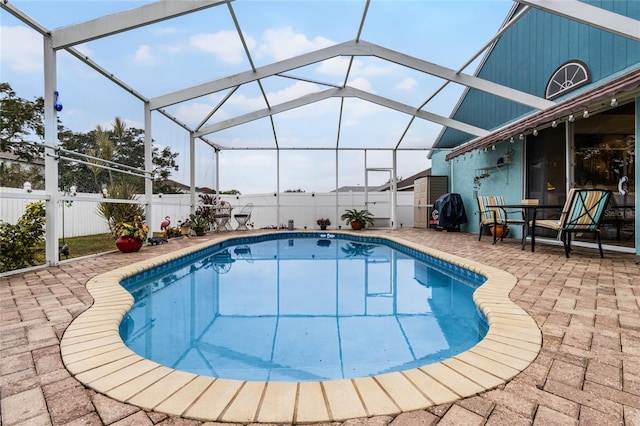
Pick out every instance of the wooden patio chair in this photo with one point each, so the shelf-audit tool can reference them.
(582, 212)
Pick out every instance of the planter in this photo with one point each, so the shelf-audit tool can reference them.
(199, 231)
(128, 245)
(500, 231)
(323, 227)
(356, 225)
(185, 230)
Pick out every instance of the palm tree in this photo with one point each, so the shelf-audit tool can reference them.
(105, 149)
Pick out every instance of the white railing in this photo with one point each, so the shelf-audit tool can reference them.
(81, 217)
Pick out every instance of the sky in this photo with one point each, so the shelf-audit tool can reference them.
(179, 53)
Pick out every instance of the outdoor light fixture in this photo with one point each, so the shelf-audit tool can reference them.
(27, 187)
(585, 114)
(72, 190)
(493, 147)
(554, 124)
(521, 137)
(570, 118)
(535, 132)
(485, 149)
(511, 140)
(614, 102)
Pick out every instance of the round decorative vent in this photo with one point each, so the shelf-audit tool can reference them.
(568, 76)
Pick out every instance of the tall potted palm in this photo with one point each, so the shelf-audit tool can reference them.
(358, 219)
(126, 221)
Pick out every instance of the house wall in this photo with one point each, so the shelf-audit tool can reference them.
(505, 180)
(526, 56)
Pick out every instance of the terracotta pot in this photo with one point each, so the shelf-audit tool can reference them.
(501, 231)
(356, 225)
(128, 245)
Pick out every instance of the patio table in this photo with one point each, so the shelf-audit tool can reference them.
(528, 211)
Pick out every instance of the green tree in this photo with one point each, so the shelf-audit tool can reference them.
(21, 120)
(18, 242)
(14, 176)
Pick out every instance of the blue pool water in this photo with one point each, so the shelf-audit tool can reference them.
(302, 307)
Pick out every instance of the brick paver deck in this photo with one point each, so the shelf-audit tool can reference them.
(588, 371)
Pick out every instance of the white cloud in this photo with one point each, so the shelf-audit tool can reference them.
(144, 56)
(196, 112)
(362, 84)
(357, 109)
(298, 89)
(225, 44)
(21, 49)
(338, 66)
(359, 68)
(334, 66)
(406, 84)
(284, 43)
(246, 103)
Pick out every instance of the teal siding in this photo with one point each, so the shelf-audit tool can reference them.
(528, 54)
(505, 181)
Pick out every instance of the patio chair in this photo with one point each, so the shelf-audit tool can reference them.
(243, 217)
(495, 216)
(582, 212)
(222, 216)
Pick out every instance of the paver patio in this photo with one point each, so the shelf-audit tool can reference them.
(588, 371)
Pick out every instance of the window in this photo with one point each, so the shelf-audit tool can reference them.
(568, 76)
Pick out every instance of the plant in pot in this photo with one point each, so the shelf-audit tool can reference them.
(199, 223)
(131, 234)
(185, 227)
(358, 219)
(323, 223)
(122, 217)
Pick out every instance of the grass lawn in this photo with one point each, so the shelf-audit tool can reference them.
(88, 244)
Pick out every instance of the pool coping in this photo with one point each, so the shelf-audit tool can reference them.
(93, 352)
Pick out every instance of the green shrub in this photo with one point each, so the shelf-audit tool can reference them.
(18, 243)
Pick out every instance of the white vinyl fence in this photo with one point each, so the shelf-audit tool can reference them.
(81, 218)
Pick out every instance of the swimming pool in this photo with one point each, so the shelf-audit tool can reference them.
(94, 354)
(302, 307)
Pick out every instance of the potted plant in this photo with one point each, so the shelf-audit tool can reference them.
(185, 227)
(199, 223)
(131, 234)
(323, 223)
(115, 213)
(358, 219)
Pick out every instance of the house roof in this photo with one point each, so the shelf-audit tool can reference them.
(594, 100)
